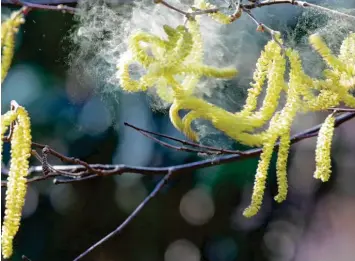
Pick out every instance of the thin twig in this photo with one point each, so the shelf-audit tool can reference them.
(338, 110)
(157, 188)
(324, 9)
(297, 3)
(262, 27)
(66, 159)
(202, 148)
(50, 6)
(259, 4)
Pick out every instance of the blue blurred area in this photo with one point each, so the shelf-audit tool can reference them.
(198, 216)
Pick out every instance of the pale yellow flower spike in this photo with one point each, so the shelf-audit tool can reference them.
(347, 56)
(276, 84)
(196, 55)
(9, 28)
(179, 55)
(281, 166)
(285, 120)
(259, 78)
(323, 150)
(263, 166)
(6, 121)
(347, 50)
(319, 45)
(187, 120)
(16, 183)
(228, 122)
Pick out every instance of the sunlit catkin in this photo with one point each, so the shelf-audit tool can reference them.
(9, 29)
(16, 182)
(323, 150)
(281, 166)
(263, 167)
(6, 120)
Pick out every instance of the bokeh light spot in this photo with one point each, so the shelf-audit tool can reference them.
(94, 117)
(182, 250)
(63, 199)
(31, 202)
(197, 206)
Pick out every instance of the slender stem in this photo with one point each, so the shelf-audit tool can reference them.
(52, 5)
(208, 149)
(322, 8)
(155, 191)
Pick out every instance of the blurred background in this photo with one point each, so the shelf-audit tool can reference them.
(198, 215)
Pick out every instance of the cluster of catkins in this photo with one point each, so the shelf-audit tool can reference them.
(180, 56)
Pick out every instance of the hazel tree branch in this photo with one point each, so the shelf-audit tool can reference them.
(61, 5)
(81, 170)
(44, 5)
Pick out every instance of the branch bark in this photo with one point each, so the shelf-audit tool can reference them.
(82, 171)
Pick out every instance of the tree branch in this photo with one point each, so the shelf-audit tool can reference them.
(83, 171)
(44, 5)
(59, 5)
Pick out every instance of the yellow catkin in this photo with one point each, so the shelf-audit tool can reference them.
(347, 56)
(323, 150)
(6, 121)
(276, 84)
(9, 29)
(228, 122)
(196, 55)
(263, 166)
(187, 120)
(181, 54)
(281, 166)
(287, 115)
(319, 45)
(259, 78)
(347, 49)
(16, 182)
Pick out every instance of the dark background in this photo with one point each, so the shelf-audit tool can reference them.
(198, 216)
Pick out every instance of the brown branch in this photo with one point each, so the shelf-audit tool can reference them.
(83, 171)
(59, 5)
(51, 6)
(297, 3)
